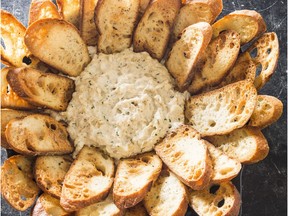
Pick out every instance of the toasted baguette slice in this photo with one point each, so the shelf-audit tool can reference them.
(17, 185)
(47, 205)
(267, 48)
(224, 167)
(9, 99)
(41, 89)
(15, 53)
(44, 38)
(247, 145)
(115, 22)
(243, 69)
(49, 172)
(6, 116)
(187, 51)
(222, 199)
(187, 156)
(102, 208)
(70, 11)
(138, 210)
(196, 11)
(87, 25)
(267, 111)
(154, 29)
(219, 57)
(222, 110)
(41, 9)
(38, 135)
(248, 23)
(133, 179)
(167, 196)
(88, 180)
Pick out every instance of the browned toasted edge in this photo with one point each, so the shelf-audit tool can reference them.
(133, 199)
(3, 188)
(70, 205)
(17, 83)
(205, 179)
(39, 183)
(264, 49)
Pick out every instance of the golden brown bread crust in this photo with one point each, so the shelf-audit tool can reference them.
(138, 210)
(226, 200)
(222, 110)
(9, 98)
(40, 9)
(232, 144)
(38, 134)
(6, 116)
(195, 11)
(17, 185)
(174, 151)
(69, 10)
(49, 173)
(115, 34)
(186, 52)
(219, 57)
(87, 25)
(47, 205)
(128, 171)
(44, 38)
(267, 111)
(88, 180)
(41, 89)
(267, 48)
(153, 31)
(248, 23)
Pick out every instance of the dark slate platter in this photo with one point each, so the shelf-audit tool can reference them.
(263, 186)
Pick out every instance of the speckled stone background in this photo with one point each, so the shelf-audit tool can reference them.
(263, 186)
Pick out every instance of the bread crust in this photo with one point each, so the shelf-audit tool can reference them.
(125, 197)
(44, 38)
(267, 47)
(195, 174)
(17, 185)
(49, 173)
(26, 136)
(9, 98)
(41, 89)
(78, 190)
(231, 144)
(186, 52)
(40, 9)
(248, 23)
(6, 116)
(234, 107)
(156, 41)
(267, 111)
(193, 11)
(213, 67)
(206, 203)
(69, 10)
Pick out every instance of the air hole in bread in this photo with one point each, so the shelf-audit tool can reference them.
(231, 45)
(221, 203)
(145, 159)
(21, 205)
(53, 127)
(212, 123)
(26, 60)
(23, 198)
(268, 51)
(253, 53)
(214, 189)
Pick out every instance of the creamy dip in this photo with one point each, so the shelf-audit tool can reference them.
(124, 103)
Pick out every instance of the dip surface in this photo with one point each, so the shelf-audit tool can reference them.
(124, 103)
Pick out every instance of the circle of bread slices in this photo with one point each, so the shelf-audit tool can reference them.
(194, 164)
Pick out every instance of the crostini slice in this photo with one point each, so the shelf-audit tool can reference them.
(134, 177)
(88, 180)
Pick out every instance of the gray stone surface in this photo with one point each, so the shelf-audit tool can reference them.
(263, 186)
